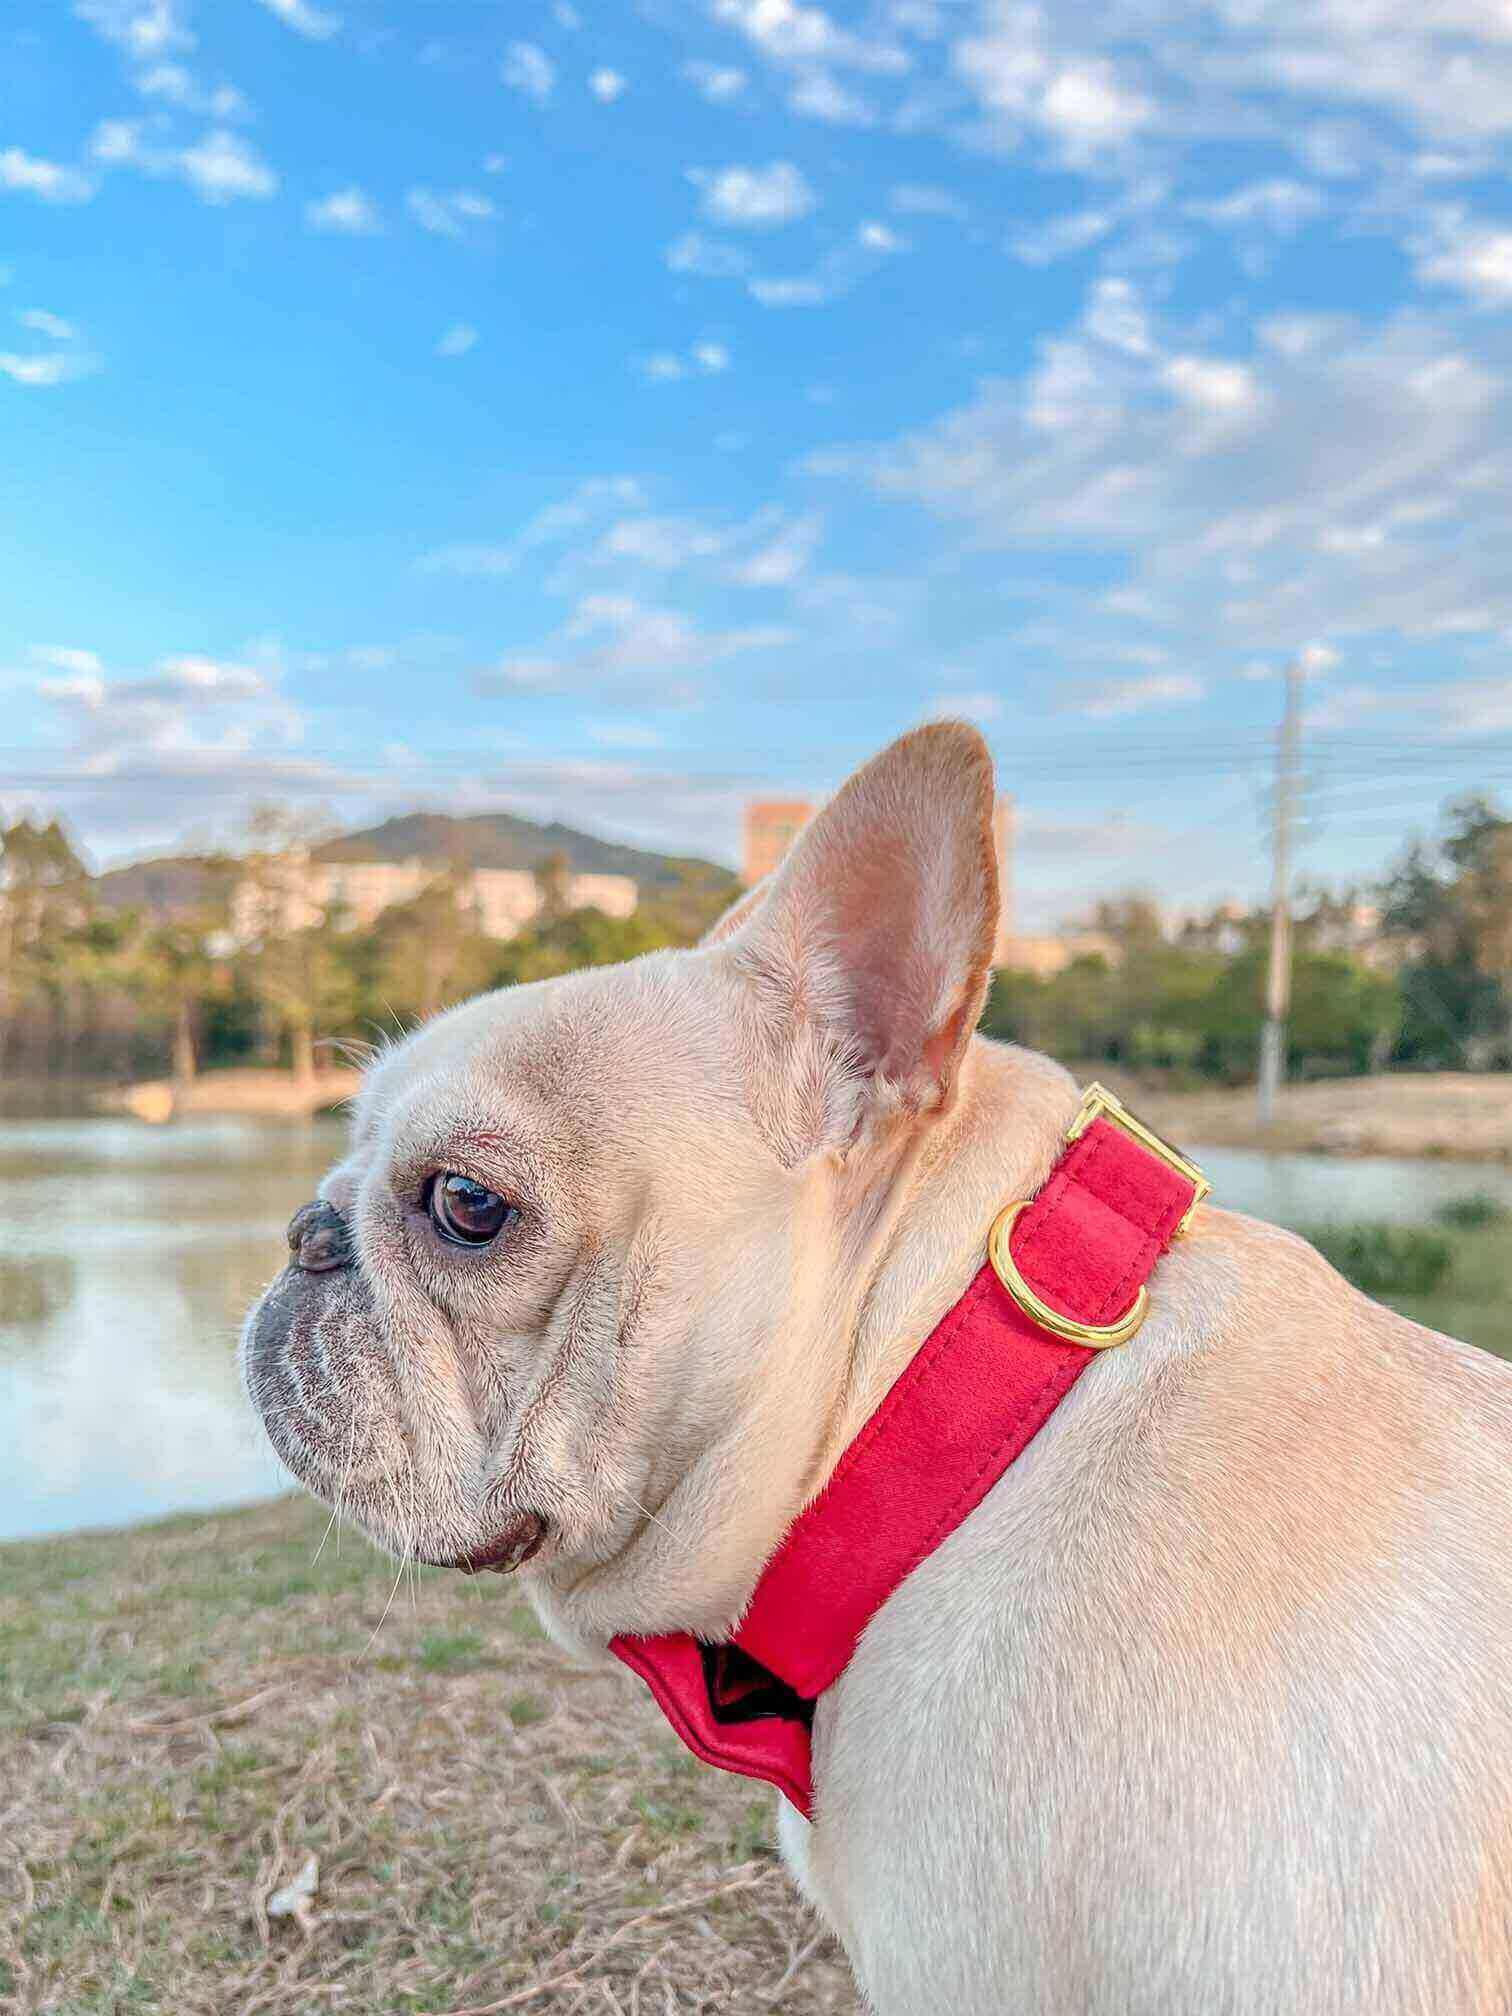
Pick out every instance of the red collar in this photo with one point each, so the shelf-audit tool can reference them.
(1065, 1277)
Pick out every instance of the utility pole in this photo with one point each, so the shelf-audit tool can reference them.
(1279, 971)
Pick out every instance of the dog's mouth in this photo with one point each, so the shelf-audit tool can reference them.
(520, 1541)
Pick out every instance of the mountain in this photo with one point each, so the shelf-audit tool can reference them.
(503, 840)
(175, 884)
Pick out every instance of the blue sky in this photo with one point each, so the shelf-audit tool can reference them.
(614, 411)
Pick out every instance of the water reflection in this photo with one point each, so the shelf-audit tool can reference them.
(128, 1256)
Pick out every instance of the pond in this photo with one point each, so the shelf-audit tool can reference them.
(128, 1255)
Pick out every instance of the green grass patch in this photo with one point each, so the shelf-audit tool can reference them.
(1386, 1260)
(452, 1652)
(1473, 1213)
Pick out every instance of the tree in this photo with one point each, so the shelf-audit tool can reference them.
(1451, 904)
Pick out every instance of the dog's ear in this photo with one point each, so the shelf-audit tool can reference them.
(876, 933)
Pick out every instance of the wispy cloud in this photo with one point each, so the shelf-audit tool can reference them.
(221, 167)
(530, 71)
(49, 181)
(457, 341)
(607, 85)
(314, 23)
(64, 358)
(350, 211)
(448, 214)
(754, 199)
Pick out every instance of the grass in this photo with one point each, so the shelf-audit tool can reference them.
(1457, 1279)
(1385, 1260)
(188, 1710)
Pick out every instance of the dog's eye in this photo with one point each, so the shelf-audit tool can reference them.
(464, 1212)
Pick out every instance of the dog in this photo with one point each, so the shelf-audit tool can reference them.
(1205, 1707)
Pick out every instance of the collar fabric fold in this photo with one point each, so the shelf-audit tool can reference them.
(968, 1403)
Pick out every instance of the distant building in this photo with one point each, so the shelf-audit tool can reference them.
(773, 824)
(771, 827)
(293, 892)
(1045, 957)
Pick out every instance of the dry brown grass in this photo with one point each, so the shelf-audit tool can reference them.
(1455, 1114)
(188, 1711)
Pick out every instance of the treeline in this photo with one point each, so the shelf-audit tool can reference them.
(93, 991)
(1435, 994)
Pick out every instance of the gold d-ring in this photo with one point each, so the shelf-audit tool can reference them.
(1096, 1336)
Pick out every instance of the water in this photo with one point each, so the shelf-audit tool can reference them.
(129, 1254)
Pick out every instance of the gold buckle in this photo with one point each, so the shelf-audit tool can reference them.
(1097, 1104)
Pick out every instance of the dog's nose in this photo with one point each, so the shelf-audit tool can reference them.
(319, 1239)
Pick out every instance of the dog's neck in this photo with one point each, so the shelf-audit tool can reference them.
(998, 1143)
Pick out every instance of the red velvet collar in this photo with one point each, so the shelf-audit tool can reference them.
(971, 1399)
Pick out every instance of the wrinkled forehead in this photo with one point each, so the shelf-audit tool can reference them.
(609, 1065)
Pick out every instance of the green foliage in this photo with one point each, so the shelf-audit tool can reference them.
(1473, 1213)
(1385, 1260)
(1452, 906)
(1196, 1012)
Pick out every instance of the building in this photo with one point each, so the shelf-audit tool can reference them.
(771, 827)
(773, 824)
(292, 892)
(1045, 957)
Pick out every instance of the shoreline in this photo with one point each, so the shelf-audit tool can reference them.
(1451, 1116)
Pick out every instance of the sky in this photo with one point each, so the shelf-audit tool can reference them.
(612, 412)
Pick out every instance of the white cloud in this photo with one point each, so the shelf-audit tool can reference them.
(980, 707)
(819, 95)
(1473, 257)
(350, 211)
(448, 214)
(779, 562)
(143, 28)
(530, 71)
(66, 360)
(789, 293)
(1212, 384)
(663, 544)
(755, 198)
(69, 658)
(223, 167)
(1075, 99)
(46, 324)
(1060, 237)
(50, 181)
(1120, 697)
(606, 85)
(457, 341)
(311, 22)
(879, 237)
(720, 83)
(709, 258)
(1348, 481)
(594, 501)
(788, 33)
(1280, 205)
(667, 366)
(627, 650)
(175, 85)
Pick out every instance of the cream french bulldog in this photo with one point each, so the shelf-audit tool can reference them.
(1207, 1707)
